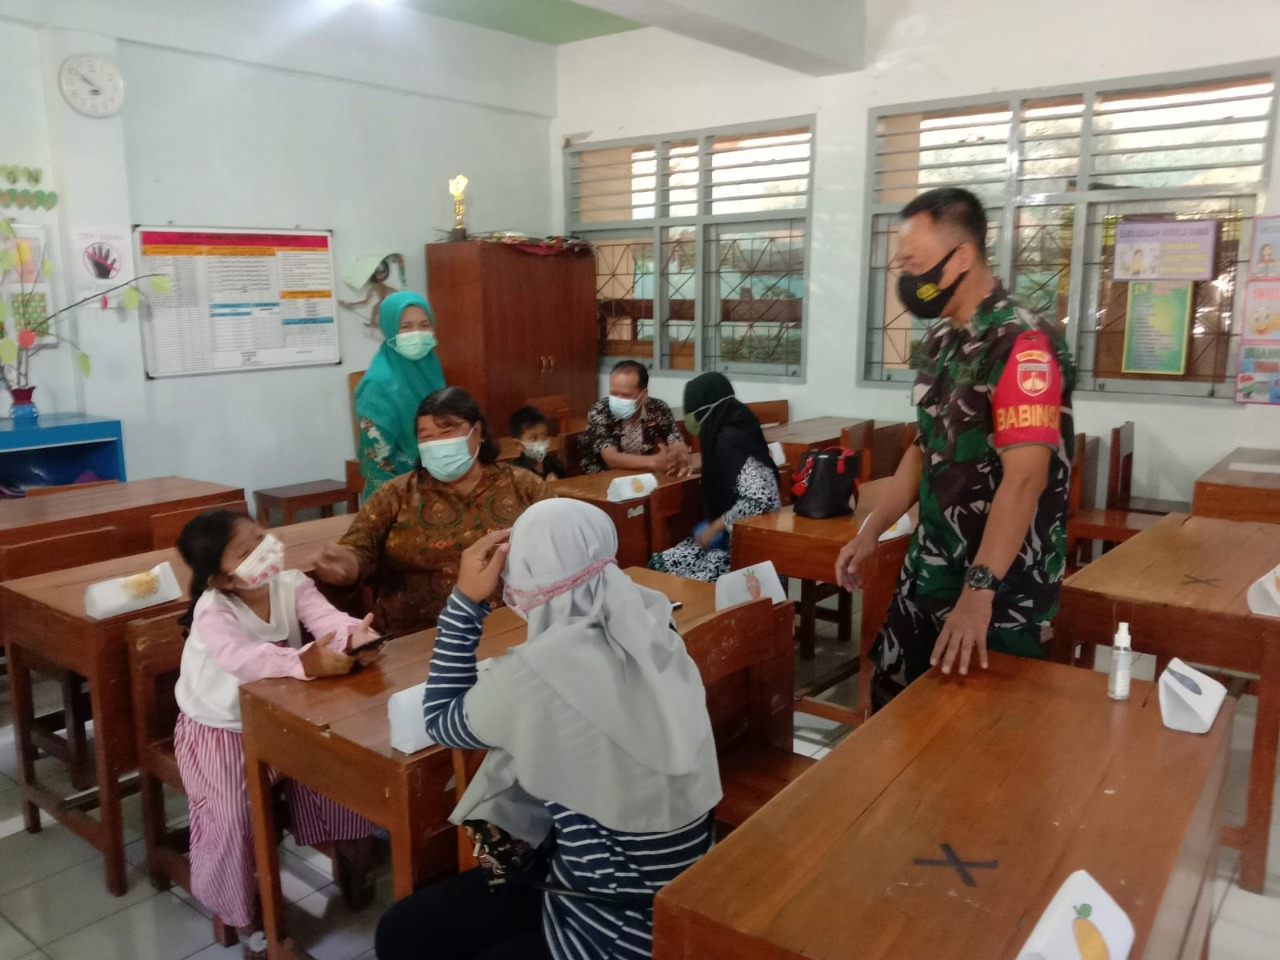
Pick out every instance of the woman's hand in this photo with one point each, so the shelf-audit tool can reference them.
(852, 556)
(337, 565)
(709, 533)
(481, 569)
(320, 660)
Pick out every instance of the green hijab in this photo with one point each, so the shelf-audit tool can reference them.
(392, 388)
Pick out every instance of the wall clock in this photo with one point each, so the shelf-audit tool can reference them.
(92, 85)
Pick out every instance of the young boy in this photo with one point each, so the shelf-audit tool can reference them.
(529, 429)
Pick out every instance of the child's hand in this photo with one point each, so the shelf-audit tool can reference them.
(362, 634)
(320, 660)
(480, 571)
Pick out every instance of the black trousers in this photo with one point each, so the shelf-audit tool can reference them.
(459, 919)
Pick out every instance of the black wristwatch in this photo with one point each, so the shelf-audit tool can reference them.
(979, 577)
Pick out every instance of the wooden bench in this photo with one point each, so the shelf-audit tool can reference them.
(1120, 479)
(167, 527)
(1124, 516)
(324, 494)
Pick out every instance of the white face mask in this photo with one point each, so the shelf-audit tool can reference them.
(536, 450)
(263, 564)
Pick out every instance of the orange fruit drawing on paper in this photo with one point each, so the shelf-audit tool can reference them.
(1088, 938)
(753, 585)
(637, 485)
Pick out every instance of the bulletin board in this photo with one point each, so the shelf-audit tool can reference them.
(241, 299)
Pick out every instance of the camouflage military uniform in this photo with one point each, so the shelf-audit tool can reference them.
(1003, 380)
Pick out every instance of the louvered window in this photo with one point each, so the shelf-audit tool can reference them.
(701, 245)
(1058, 171)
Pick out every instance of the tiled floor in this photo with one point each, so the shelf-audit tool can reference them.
(53, 905)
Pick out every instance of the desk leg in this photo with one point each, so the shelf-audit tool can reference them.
(104, 697)
(1262, 777)
(265, 838)
(23, 720)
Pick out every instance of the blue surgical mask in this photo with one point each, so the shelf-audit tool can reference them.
(415, 344)
(447, 459)
(622, 408)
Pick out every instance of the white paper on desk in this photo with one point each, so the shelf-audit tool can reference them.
(1189, 699)
(631, 488)
(779, 455)
(111, 598)
(1264, 594)
(749, 583)
(901, 528)
(1255, 467)
(408, 727)
(1082, 921)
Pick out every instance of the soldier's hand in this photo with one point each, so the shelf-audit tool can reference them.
(965, 632)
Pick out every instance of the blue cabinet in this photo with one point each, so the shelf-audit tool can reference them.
(61, 448)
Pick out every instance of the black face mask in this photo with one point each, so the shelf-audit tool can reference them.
(920, 293)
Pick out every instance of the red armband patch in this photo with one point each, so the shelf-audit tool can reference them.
(1027, 400)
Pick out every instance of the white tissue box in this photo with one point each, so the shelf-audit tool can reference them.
(1189, 699)
(1082, 920)
(408, 728)
(111, 598)
(632, 488)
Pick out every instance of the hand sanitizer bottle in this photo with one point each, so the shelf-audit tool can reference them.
(1121, 665)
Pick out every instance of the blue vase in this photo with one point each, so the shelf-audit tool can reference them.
(24, 412)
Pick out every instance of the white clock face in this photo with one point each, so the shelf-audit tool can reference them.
(92, 85)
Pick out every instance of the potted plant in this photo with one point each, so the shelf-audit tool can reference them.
(27, 328)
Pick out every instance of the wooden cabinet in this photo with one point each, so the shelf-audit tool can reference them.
(513, 325)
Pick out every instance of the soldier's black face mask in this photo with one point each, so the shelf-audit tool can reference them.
(920, 293)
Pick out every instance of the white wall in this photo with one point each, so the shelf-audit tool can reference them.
(351, 124)
(922, 50)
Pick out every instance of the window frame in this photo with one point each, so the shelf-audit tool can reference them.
(705, 225)
(1082, 200)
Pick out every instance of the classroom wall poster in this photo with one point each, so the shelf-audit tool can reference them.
(102, 259)
(1174, 250)
(1265, 262)
(1258, 379)
(1156, 327)
(25, 289)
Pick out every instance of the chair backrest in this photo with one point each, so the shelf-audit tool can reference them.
(34, 557)
(155, 657)
(860, 437)
(1120, 467)
(674, 510)
(1075, 493)
(746, 658)
(771, 412)
(556, 409)
(353, 381)
(63, 488)
(571, 452)
(355, 482)
(165, 527)
(888, 443)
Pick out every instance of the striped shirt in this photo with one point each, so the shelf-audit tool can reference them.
(589, 856)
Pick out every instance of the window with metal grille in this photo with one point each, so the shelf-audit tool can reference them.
(1058, 170)
(701, 243)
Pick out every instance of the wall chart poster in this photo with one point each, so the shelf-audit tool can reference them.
(1265, 262)
(241, 299)
(1156, 328)
(1175, 250)
(1258, 379)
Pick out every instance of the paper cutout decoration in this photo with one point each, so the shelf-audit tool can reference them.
(901, 527)
(749, 583)
(632, 488)
(404, 714)
(1264, 594)
(1082, 922)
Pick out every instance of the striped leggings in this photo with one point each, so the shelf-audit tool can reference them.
(224, 874)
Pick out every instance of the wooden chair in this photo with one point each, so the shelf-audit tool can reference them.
(62, 735)
(571, 452)
(1081, 496)
(353, 381)
(166, 527)
(322, 494)
(744, 655)
(556, 409)
(674, 510)
(1120, 478)
(861, 437)
(63, 488)
(771, 412)
(355, 482)
(155, 656)
(888, 443)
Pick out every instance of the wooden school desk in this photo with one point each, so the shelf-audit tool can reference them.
(128, 507)
(1180, 585)
(333, 735)
(1232, 491)
(44, 616)
(804, 548)
(813, 434)
(1025, 773)
(635, 531)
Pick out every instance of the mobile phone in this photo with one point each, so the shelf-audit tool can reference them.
(371, 645)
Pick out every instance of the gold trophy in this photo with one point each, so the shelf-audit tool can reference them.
(457, 188)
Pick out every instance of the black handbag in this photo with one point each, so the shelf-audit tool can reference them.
(826, 485)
